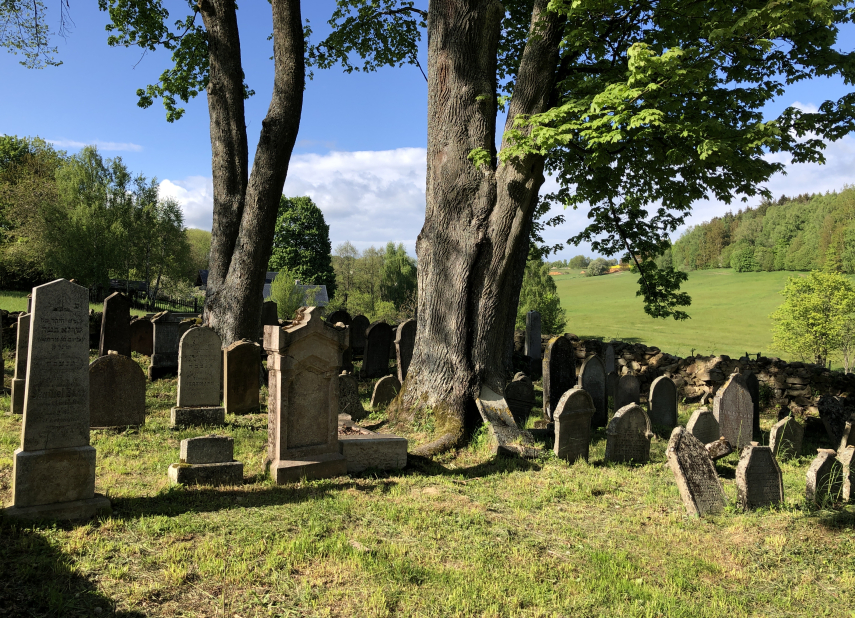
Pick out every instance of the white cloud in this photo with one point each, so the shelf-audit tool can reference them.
(102, 145)
(196, 196)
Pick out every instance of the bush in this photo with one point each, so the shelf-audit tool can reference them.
(597, 267)
(539, 294)
(285, 293)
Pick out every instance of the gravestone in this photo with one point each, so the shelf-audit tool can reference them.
(834, 413)
(592, 379)
(519, 395)
(116, 392)
(241, 369)
(695, 473)
(572, 417)
(628, 391)
(375, 356)
(532, 336)
(663, 402)
(405, 342)
(166, 335)
(348, 397)
(142, 336)
(845, 457)
(339, 316)
(358, 328)
(786, 437)
(753, 386)
(207, 460)
(759, 482)
(719, 449)
(385, 391)
(116, 325)
(54, 469)
(628, 435)
(506, 436)
(200, 366)
(734, 411)
(609, 356)
(612, 380)
(19, 382)
(824, 478)
(704, 426)
(304, 361)
(559, 372)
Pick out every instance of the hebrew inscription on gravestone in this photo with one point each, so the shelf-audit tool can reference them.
(695, 473)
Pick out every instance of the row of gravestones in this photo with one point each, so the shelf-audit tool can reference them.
(374, 342)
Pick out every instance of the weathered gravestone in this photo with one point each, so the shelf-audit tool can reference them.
(734, 411)
(358, 328)
(54, 469)
(375, 356)
(824, 478)
(718, 449)
(19, 382)
(628, 435)
(116, 325)
(116, 392)
(385, 391)
(609, 357)
(519, 395)
(704, 426)
(200, 365)
(612, 380)
(628, 391)
(759, 482)
(506, 437)
(834, 413)
(166, 335)
(304, 360)
(532, 336)
(339, 316)
(405, 342)
(663, 402)
(786, 437)
(349, 402)
(142, 336)
(695, 473)
(572, 417)
(592, 379)
(559, 372)
(753, 386)
(207, 460)
(845, 456)
(241, 369)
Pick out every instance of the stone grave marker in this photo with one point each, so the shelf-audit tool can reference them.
(845, 457)
(375, 356)
(612, 379)
(572, 417)
(663, 402)
(609, 356)
(54, 469)
(348, 397)
(704, 426)
(824, 478)
(628, 391)
(759, 482)
(304, 361)
(592, 379)
(207, 460)
(753, 386)
(116, 392)
(695, 473)
(786, 437)
(559, 372)
(507, 437)
(19, 382)
(532, 335)
(718, 449)
(269, 314)
(405, 342)
(519, 395)
(200, 366)
(628, 435)
(734, 411)
(116, 325)
(142, 336)
(358, 329)
(834, 413)
(385, 391)
(241, 370)
(166, 335)
(339, 316)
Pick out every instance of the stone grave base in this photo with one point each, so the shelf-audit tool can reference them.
(366, 449)
(18, 387)
(185, 417)
(53, 476)
(162, 371)
(99, 506)
(323, 466)
(225, 473)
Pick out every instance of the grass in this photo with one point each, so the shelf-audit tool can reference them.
(467, 535)
(17, 301)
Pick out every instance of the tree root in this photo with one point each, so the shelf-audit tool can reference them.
(446, 442)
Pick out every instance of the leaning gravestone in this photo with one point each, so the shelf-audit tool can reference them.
(592, 379)
(786, 437)
(358, 329)
(405, 342)
(532, 335)
(824, 478)
(734, 411)
(54, 469)
(663, 402)
(339, 316)
(612, 380)
(845, 456)
(695, 473)
(200, 365)
(375, 356)
(164, 358)
(628, 435)
(519, 395)
(559, 372)
(116, 325)
(704, 426)
(19, 382)
(304, 360)
(609, 355)
(348, 397)
(116, 392)
(142, 336)
(572, 417)
(628, 391)
(753, 386)
(385, 391)
(759, 482)
(506, 437)
(241, 368)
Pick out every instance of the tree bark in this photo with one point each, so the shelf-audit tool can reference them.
(474, 242)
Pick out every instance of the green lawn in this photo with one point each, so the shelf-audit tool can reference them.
(17, 301)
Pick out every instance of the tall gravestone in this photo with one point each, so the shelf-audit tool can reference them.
(359, 327)
(200, 367)
(734, 411)
(663, 402)
(559, 372)
(165, 337)
(573, 422)
(519, 395)
(704, 426)
(609, 357)
(116, 325)
(824, 478)
(628, 391)
(753, 386)
(302, 410)
(116, 392)
(340, 316)
(405, 343)
(786, 437)
(19, 381)
(532, 336)
(759, 482)
(612, 380)
(54, 469)
(142, 336)
(695, 473)
(628, 435)
(375, 356)
(241, 368)
(592, 379)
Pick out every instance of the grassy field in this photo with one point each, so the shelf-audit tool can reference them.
(17, 301)
(467, 535)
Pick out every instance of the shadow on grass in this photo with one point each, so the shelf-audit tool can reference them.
(838, 520)
(36, 579)
(497, 465)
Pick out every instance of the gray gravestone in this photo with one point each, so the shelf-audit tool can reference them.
(166, 335)
(385, 391)
(628, 391)
(142, 336)
(375, 356)
(559, 372)
(241, 368)
(824, 478)
(845, 457)
(734, 411)
(609, 356)
(786, 437)
(759, 482)
(506, 437)
(572, 418)
(348, 397)
(519, 395)
(704, 426)
(207, 460)
(663, 402)
(200, 366)
(592, 379)
(612, 380)
(116, 392)
(116, 325)
(532, 335)
(753, 386)
(269, 314)
(340, 316)
(405, 342)
(695, 473)
(628, 435)
(358, 329)
(19, 382)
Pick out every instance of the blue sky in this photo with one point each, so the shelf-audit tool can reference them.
(360, 152)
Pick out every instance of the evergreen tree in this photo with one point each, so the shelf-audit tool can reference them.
(539, 293)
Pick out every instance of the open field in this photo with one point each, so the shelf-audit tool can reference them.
(468, 535)
(17, 301)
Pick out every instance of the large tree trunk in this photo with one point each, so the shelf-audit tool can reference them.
(245, 206)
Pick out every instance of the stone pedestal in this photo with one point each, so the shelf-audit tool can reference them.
(195, 416)
(207, 460)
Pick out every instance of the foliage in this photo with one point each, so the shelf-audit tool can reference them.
(596, 267)
(285, 293)
(399, 280)
(539, 293)
(200, 251)
(24, 30)
(579, 262)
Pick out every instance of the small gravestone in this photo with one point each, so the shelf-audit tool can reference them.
(695, 473)
(845, 457)
(405, 343)
(241, 368)
(753, 386)
(19, 382)
(786, 437)
(612, 379)
(116, 392)
(824, 478)
(506, 436)
(704, 426)
(385, 391)
(532, 335)
(519, 395)
(348, 397)
(572, 417)
(200, 365)
(559, 372)
(269, 314)
(628, 435)
(358, 328)
(609, 356)
(207, 460)
(734, 411)
(663, 402)
(116, 325)
(142, 336)
(628, 391)
(339, 316)
(834, 414)
(719, 449)
(592, 379)
(375, 356)
(166, 335)
(759, 482)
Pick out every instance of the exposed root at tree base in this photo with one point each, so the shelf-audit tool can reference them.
(446, 442)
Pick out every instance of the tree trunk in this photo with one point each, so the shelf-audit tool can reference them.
(245, 206)
(474, 242)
